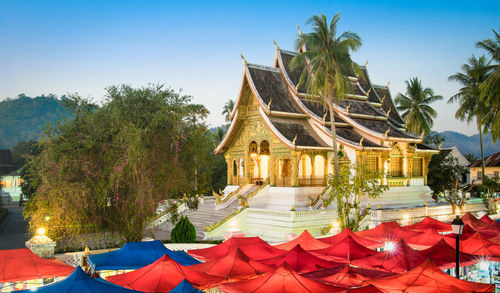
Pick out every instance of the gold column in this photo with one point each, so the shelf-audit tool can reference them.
(229, 170)
(272, 165)
(295, 168)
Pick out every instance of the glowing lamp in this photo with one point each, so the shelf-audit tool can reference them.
(41, 231)
(389, 246)
(233, 223)
(457, 226)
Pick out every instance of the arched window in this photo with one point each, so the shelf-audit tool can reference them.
(264, 147)
(252, 148)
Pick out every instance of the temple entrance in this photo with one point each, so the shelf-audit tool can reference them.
(283, 169)
(312, 170)
(259, 160)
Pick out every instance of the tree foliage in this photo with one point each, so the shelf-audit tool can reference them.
(183, 232)
(228, 109)
(109, 167)
(443, 177)
(350, 188)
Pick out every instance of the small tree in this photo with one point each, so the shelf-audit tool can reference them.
(183, 232)
(444, 177)
(352, 186)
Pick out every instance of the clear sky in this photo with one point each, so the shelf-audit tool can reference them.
(64, 47)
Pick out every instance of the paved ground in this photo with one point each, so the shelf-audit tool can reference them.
(13, 232)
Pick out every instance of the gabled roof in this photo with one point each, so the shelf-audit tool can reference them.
(492, 160)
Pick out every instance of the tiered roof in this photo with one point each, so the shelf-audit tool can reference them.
(364, 120)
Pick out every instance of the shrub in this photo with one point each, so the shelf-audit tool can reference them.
(183, 232)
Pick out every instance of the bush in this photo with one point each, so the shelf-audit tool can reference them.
(183, 232)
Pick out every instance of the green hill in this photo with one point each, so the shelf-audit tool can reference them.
(21, 119)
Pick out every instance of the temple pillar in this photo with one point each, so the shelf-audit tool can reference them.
(295, 168)
(272, 171)
(325, 169)
(425, 162)
(248, 175)
(229, 170)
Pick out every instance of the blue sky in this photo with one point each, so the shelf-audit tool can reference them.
(83, 46)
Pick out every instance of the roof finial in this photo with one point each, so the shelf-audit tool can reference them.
(276, 44)
(297, 88)
(422, 134)
(388, 112)
(324, 116)
(368, 92)
(347, 109)
(366, 63)
(269, 105)
(387, 132)
(440, 145)
(294, 139)
(300, 31)
(244, 60)
(388, 83)
(361, 141)
(383, 99)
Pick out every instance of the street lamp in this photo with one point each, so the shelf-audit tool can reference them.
(457, 227)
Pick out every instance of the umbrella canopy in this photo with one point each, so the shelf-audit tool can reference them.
(348, 232)
(466, 233)
(443, 255)
(135, 255)
(234, 265)
(185, 287)
(301, 261)
(428, 278)
(429, 223)
(367, 273)
(78, 282)
(474, 222)
(253, 247)
(283, 279)
(388, 231)
(306, 241)
(348, 249)
(348, 277)
(489, 221)
(423, 242)
(162, 276)
(479, 245)
(399, 260)
(22, 264)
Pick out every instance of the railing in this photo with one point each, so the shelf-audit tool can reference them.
(322, 196)
(220, 199)
(257, 181)
(312, 181)
(244, 200)
(283, 181)
(396, 181)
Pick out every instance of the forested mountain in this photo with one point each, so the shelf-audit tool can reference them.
(470, 144)
(22, 118)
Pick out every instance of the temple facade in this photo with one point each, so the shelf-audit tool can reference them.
(281, 136)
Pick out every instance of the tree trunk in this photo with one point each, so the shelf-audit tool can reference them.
(482, 150)
(336, 163)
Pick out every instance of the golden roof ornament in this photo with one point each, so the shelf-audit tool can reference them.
(361, 141)
(383, 99)
(387, 132)
(300, 31)
(297, 88)
(347, 109)
(440, 145)
(244, 60)
(294, 139)
(324, 116)
(368, 92)
(269, 104)
(388, 83)
(366, 63)
(388, 112)
(422, 134)
(276, 44)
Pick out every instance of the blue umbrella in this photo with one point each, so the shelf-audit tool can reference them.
(185, 287)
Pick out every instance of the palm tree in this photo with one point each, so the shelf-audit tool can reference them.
(490, 87)
(472, 107)
(418, 115)
(228, 109)
(326, 59)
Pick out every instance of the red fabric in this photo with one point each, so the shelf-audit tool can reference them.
(348, 249)
(347, 232)
(430, 238)
(477, 244)
(300, 260)
(401, 259)
(429, 223)
(443, 255)
(466, 233)
(347, 278)
(162, 276)
(367, 273)
(306, 241)
(283, 279)
(474, 222)
(253, 247)
(235, 265)
(22, 265)
(428, 278)
(388, 231)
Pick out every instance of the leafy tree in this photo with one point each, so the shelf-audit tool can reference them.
(434, 140)
(21, 151)
(326, 60)
(444, 177)
(30, 171)
(471, 157)
(490, 88)
(350, 188)
(183, 232)
(228, 109)
(110, 166)
(473, 74)
(418, 114)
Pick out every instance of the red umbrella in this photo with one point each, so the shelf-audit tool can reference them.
(22, 265)
(477, 244)
(474, 222)
(443, 255)
(399, 260)
(428, 278)
(347, 232)
(388, 231)
(162, 276)
(489, 221)
(466, 233)
(367, 273)
(253, 247)
(306, 241)
(348, 278)
(430, 238)
(301, 261)
(429, 223)
(348, 249)
(283, 279)
(235, 265)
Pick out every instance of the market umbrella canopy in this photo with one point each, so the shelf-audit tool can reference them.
(185, 287)
(135, 255)
(253, 247)
(388, 231)
(444, 256)
(22, 264)
(301, 260)
(467, 232)
(429, 223)
(490, 221)
(283, 279)
(479, 245)
(367, 273)
(474, 222)
(306, 241)
(78, 282)
(234, 265)
(162, 276)
(348, 277)
(430, 238)
(348, 249)
(398, 260)
(348, 232)
(428, 278)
